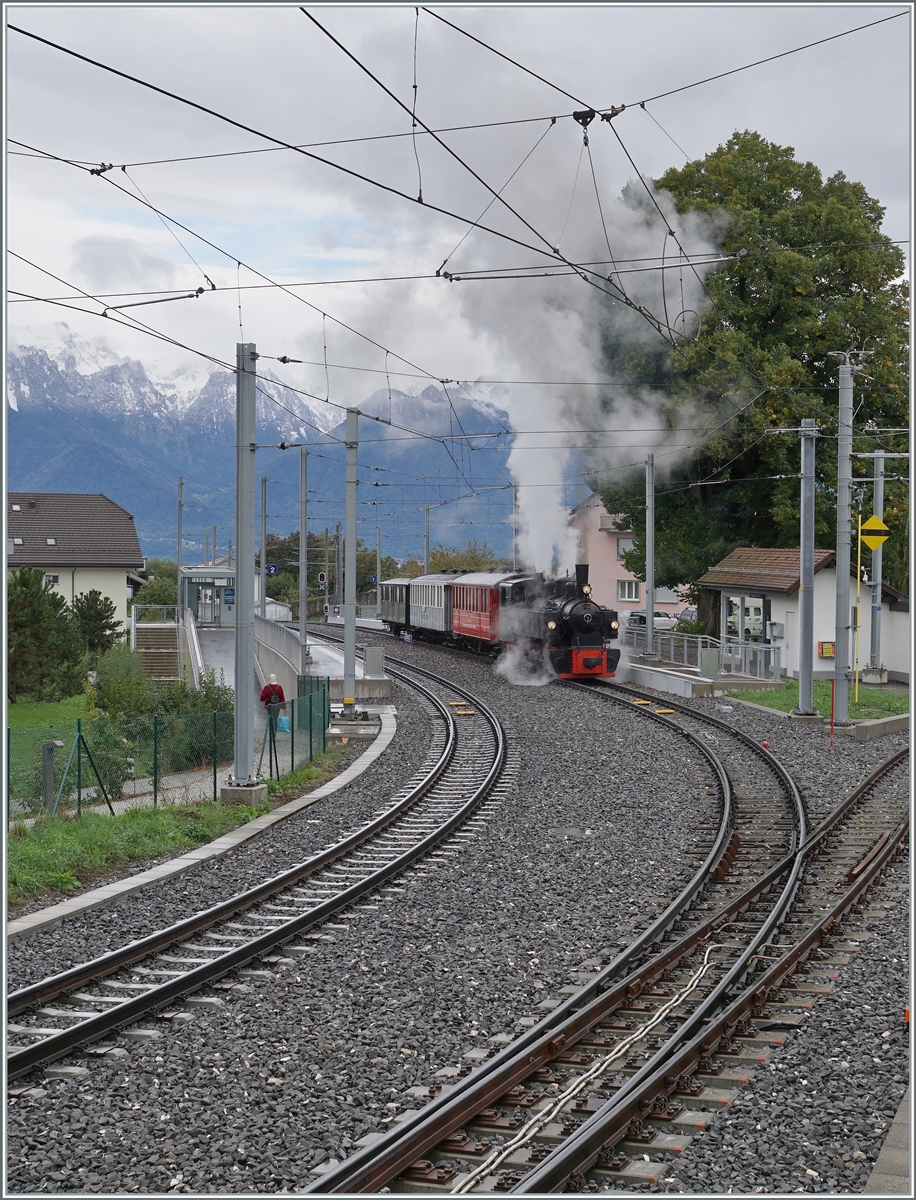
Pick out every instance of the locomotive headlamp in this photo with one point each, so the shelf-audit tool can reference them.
(614, 625)
(551, 624)
(586, 589)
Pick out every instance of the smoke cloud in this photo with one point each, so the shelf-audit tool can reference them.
(521, 670)
(575, 416)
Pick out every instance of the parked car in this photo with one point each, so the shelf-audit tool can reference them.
(687, 614)
(636, 619)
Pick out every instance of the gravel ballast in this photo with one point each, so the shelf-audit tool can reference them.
(296, 1068)
(815, 1116)
(321, 1052)
(280, 847)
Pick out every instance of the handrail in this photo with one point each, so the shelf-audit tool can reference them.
(195, 656)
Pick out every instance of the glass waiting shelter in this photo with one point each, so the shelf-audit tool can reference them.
(209, 592)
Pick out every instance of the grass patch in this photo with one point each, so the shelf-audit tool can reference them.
(60, 855)
(321, 769)
(28, 714)
(873, 702)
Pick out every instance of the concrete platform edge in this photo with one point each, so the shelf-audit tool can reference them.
(891, 1173)
(54, 914)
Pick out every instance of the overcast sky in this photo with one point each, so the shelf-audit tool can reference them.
(845, 105)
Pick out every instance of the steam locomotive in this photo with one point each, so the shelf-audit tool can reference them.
(550, 621)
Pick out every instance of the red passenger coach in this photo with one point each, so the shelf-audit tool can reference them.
(475, 606)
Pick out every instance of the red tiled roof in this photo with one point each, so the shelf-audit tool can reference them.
(85, 530)
(763, 570)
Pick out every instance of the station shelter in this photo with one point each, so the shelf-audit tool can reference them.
(208, 590)
(752, 595)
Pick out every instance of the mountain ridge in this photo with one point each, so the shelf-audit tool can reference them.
(82, 418)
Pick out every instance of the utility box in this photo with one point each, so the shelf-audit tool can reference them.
(709, 663)
(375, 662)
(777, 630)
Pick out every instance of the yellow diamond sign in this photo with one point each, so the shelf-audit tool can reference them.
(874, 533)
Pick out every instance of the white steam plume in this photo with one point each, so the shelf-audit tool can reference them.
(553, 330)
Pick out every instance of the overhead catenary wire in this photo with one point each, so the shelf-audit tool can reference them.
(413, 113)
(301, 299)
(470, 230)
(771, 58)
(553, 250)
(280, 142)
(539, 251)
(469, 274)
(488, 124)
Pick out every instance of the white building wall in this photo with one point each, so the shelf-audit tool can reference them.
(110, 581)
(895, 630)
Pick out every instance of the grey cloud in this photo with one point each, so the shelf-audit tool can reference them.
(109, 263)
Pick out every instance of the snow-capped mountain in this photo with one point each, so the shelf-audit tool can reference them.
(85, 419)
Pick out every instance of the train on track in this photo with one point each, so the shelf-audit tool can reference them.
(551, 622)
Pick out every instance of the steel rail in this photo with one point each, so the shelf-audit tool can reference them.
(55, 985)
(21, 1061)
(355, 1173)
(580, 1150)
(378, 1164)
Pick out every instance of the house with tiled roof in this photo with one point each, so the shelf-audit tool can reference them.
(602, 545)
(755, 592)
(79, 541)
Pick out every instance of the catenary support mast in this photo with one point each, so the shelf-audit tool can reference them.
(243, 772)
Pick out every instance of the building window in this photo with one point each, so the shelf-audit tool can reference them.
(628, 589)
(17, 541)
(623, 545)
(16, 507)
(52, 579)
(51, 541)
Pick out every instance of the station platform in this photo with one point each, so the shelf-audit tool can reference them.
(684, 681)
(891, 1175)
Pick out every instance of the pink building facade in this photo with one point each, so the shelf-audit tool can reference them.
(602, 547)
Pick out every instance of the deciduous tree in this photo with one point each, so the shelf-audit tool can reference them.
(809, 273)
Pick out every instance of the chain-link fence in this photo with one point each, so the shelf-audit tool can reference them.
(111, 764)
(295, 731)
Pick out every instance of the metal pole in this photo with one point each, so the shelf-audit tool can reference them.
(650, 554)
(229, 559)
(214, 545)
(874, 658)
(180, 507)
(349, 696)
(858, 621)
(303, 559)
(378, 571)
(515, 527)
(337, 570)
(843, 537)
(327, 565)
(243, 772)
(263, 545)
(206, 547)
(426, 545)
(808, 433)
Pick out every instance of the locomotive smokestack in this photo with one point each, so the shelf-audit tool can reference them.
(581, 576)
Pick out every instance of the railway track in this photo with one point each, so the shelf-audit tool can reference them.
(636, 1058)
(80, 1007)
